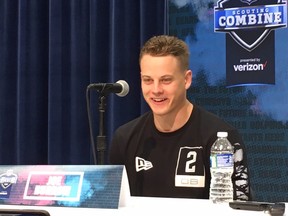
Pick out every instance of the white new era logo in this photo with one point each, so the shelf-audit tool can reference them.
(142, 164)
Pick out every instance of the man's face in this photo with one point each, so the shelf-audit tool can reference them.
(164, 83)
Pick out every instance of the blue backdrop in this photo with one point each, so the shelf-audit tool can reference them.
(258, 111)
(50, 51)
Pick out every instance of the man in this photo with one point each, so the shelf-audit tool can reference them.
(166, 151)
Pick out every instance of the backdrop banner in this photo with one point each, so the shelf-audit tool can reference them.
(238, 56)
(250, 50)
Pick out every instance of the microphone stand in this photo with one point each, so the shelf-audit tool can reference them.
(101, 138)
(121, 88)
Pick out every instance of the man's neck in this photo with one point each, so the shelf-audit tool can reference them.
(170, 123)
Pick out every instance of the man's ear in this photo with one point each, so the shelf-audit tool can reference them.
(188, 79)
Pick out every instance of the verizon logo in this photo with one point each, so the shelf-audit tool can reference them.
(250, 67)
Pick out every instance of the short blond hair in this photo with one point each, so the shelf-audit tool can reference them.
(164, 45)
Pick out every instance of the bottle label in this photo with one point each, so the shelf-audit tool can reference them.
(221, 160)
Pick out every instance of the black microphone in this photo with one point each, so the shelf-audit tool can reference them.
(121, 87)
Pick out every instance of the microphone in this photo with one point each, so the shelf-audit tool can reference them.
(121, 88)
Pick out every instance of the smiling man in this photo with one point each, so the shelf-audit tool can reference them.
(166, 151)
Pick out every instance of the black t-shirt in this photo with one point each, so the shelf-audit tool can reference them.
(175, 164)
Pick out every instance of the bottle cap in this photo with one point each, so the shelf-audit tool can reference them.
(222, 134)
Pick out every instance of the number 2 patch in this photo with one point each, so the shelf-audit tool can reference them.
(190, 168)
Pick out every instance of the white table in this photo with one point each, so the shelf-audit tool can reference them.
(150, 206)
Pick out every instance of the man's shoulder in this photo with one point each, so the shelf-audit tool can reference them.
(210, 124)
(210, 118)
(135, 123)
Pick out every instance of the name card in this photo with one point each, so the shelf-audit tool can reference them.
(85, 186)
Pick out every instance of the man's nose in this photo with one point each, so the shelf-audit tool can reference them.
(157, 87)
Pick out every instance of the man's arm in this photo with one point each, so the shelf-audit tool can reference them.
(240, 176)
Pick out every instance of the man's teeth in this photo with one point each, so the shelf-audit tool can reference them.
(158, 99)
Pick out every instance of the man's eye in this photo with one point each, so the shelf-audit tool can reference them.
(166, 80)
(147, 80)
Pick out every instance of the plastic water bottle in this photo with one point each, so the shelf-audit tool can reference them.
(221, 168)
